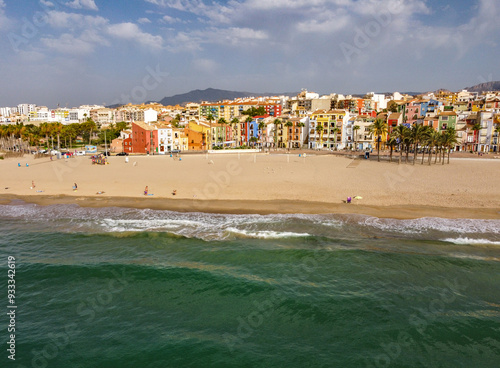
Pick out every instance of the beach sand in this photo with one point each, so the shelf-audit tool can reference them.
(261, 183)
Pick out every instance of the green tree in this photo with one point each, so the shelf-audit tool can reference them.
(417, 135)
(234, 124)
(355, 131)
(378, 128)
(476, 128)
(57, 129)
(401, 134)
(425, 141)
(87, 128)
(252, 112)
(433, 143)
(450, 140)
(335, 131)
(262, 125)
(45, 129)
(288, 124)
(210, 118)
(276, 122)
(392, 142)
(320, 129)
(392, 106)
(497, 131)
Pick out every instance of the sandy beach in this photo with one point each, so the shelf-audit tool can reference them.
(261, 183)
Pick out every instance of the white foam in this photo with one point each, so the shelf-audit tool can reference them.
(220, 226)
(426, 224)
(265, 234)
(470, 241)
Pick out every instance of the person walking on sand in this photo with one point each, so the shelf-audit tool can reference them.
(146, 190)
(75, 187)
(32, 184)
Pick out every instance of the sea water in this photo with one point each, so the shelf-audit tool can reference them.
(117, 287)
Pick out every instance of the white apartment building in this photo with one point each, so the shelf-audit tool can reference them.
(165, 139)
(150, 115)
(25, 109)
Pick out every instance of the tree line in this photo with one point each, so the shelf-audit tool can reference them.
(417, 138)
(18, 135)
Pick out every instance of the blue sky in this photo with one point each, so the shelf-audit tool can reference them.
(73, 52)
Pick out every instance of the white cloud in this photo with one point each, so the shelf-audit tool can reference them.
(143, 20)
(205, 65)
(328, 22)
(83, 4)
(169, 19)
(68, 44)
(46, 3)
(60, 19)
(5, 22)
(130, 31)
(233, 37)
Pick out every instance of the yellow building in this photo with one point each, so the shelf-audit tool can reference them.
(332, 123)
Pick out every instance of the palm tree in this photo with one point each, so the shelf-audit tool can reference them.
(378, 128)
(439, 147)
(301, 125)
(391, 143)
(335, 132)
(45, 129)
(262, 125)
(248, 120)
(222, 122)
(417, 134)
(450, 139)
(319, 129)
(57, 128)
(497, 130)
(276, 122)
(234, 123)
(355, 130)
(210, 118)
(433, 142)
(402, 134)
(476, 128)
(288, 124)
(425, 140)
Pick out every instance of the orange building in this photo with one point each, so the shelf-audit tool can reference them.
(196, 140)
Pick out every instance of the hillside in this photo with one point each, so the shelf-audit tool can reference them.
(485, 87)
(213, 95)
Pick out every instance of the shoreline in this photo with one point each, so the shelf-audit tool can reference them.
(263, 207)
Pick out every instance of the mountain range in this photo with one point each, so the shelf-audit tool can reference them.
(485, 87)
(214, 95)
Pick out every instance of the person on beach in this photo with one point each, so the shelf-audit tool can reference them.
(174, 192)
(146, 190)
(349, 199)
(32, 184)
(75, 187)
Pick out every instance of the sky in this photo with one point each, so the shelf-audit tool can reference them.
(74, 52)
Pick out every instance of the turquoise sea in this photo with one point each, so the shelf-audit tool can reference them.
(117, 287)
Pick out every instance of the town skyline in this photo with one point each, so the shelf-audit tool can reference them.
(96, 52)
(244, 94)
